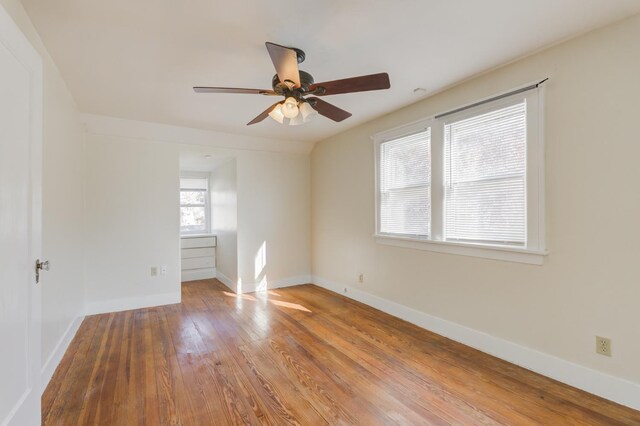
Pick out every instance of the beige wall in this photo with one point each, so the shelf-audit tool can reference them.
(223, 186)
(273, 212)
(132, 217)
(590, 282)
(63, 201)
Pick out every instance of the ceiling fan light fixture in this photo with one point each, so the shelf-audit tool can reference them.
(277, 114)
(297, 120)
(290, 107)
(307, 112)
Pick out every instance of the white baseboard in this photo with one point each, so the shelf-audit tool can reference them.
(270, 285)
(197, 274)
(225, 280)
(117, 305)
(291, 281)
(55, 357)
(604, 385)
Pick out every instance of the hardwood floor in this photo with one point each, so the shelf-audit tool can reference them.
(300, 355)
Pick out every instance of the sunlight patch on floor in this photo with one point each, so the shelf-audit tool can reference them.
(239, 296)
(280, 303)
(289, 305)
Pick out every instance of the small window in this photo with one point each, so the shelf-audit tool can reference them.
(405, 185)
(194, 205)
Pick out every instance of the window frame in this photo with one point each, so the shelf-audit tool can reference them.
(535, 248)
(207, 203)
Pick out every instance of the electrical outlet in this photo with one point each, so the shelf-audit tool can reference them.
(603, 346)
(154, 271)
(361, 278)
(163, 270)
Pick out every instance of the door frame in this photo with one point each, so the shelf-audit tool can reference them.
(28, 407)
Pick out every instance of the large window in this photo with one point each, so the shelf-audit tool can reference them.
(485, 176)
(469, 182)
(194, 205)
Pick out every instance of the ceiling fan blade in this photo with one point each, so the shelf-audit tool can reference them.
(233, 90)
(355, 84)
(264, 114)
(328, 110)
(285, 61)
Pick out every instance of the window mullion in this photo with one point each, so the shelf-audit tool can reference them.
(437, 180)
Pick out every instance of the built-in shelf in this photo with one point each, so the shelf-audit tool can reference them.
(198, 257)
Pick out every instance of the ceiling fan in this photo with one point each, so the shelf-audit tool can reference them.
(300, 91)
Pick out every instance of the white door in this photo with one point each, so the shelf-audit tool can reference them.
(20, 223)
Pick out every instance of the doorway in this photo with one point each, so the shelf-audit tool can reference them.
(208, 215)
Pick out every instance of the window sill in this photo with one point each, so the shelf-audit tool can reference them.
(203, 235)
(508, 254)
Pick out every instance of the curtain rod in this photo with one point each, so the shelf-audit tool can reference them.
(495, 98)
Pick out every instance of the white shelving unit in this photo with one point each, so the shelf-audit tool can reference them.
(198, 257)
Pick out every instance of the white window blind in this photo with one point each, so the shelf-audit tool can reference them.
(193, 183)
(485, 177)
(405, 185)
(194, 212)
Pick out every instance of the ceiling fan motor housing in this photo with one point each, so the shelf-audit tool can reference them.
(280, 88)
(300, 56)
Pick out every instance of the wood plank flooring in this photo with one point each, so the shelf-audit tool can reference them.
(299, 355)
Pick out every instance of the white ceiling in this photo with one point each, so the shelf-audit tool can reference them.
(139, 59)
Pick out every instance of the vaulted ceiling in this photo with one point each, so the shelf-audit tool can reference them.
(139, 59)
